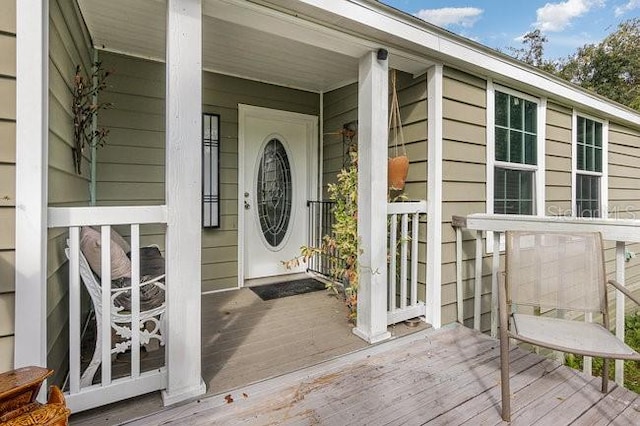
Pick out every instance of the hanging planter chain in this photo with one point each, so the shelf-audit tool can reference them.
(398, 167)
(395, 124)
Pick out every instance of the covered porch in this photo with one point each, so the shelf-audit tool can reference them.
(436, 377)
(150, 189)
(248, 340)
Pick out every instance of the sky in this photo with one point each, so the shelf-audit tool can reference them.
(498, 24)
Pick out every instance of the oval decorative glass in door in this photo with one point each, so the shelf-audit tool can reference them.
(274, 192)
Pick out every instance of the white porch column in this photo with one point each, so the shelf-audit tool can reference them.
(434, 196)
(183, 198)
(373, 99)
(32, 136)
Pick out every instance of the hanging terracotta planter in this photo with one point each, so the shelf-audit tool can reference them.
(398, 170)
(399, 164)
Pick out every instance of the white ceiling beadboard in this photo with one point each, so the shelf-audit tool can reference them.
(243, 39)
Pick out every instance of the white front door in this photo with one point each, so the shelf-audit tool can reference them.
(278, 174)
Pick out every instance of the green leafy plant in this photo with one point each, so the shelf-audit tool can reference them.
(631, 368)
(344, 238)
(342, 245)
(84, 108)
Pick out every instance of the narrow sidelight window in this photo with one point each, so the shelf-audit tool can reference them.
(210, 170)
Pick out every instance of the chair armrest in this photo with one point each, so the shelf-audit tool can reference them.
(624, 290)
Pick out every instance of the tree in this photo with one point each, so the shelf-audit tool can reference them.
(610, 68)
(533, 51)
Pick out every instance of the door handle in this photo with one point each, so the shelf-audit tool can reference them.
(247, 206)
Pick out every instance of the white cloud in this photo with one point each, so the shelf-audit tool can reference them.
(631, 5)
(463, 16)
(554, 17)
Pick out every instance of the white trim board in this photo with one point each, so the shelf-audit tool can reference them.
(420, 37)
(311, 176)
(604, 175)
(540, 167)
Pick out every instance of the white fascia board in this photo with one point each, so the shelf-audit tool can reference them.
(455, 49)
(291, 26)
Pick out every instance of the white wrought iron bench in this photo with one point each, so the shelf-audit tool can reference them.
(151, 322)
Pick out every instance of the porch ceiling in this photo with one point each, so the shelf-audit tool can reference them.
(243, 39)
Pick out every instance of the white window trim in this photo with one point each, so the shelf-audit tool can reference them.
(604, 175)
(539, 169)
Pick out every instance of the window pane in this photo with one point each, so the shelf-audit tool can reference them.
(502, 109)
(580, 154)
(502, 145)
(530, 113)
(589, 145)
(598, 135)
(274, 189)
(526, 207)
(515, 112)
(499, 194)
(595, 188)
(578, 185)
(526, 187)
(588, 159)
(598, 159)
(513, 184)
(511, 207)
(499, 183)
(515, 144)
(530, 154)
(589, 132)
(587, 196)
(513, 191)
(206, 126)
(580, 131)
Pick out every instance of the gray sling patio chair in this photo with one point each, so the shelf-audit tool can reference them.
(556, 273)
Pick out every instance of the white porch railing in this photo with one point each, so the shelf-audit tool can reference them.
(81, 396)
(620, 231)
(404, 220)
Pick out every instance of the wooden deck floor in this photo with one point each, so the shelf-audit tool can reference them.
(246, 340)
(446, 376)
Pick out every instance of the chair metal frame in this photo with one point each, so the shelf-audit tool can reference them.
(505, 314)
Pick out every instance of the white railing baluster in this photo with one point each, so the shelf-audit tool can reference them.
(414, 258)
(587, 362)
(477, 301)
(404, 261)
(135, 300)
(620, 261)
(82, 394)
(393, 252)
(622, 231)
(404, 243)
(105, 238)
(495, 270)
(74, 310)
(459, 288)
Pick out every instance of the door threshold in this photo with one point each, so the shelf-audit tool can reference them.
(277, 279)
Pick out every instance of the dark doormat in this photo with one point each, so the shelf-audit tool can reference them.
(291, 288)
